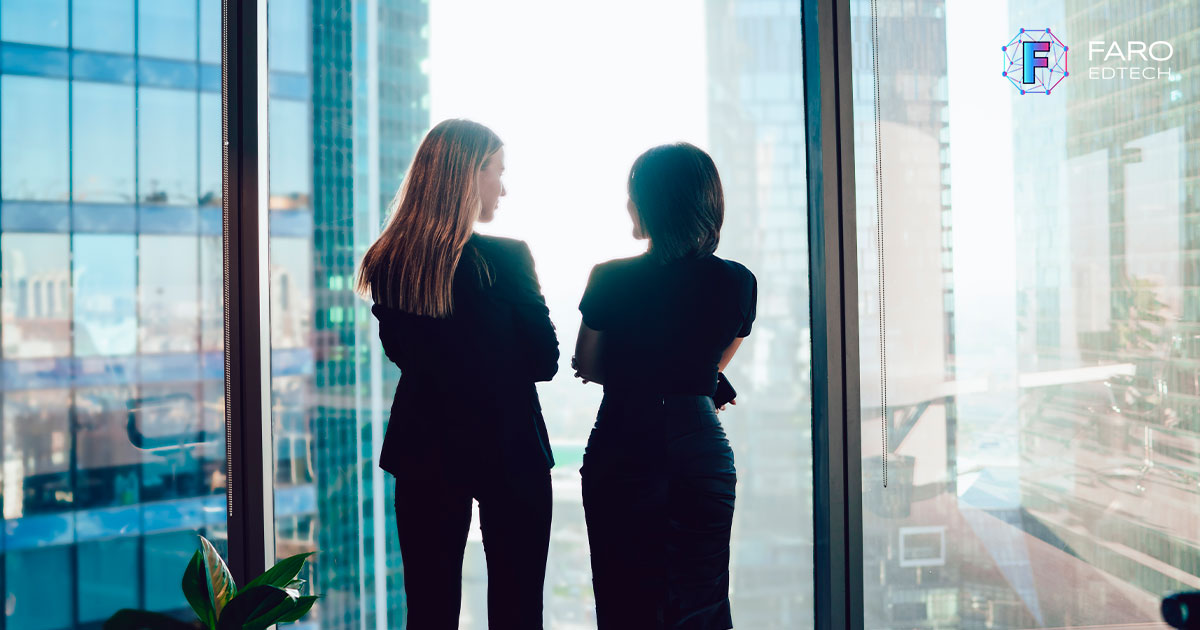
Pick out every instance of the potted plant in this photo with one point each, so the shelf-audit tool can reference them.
(271, 598)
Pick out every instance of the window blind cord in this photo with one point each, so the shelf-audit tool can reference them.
(883, 406)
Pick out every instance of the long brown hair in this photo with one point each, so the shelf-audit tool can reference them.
(411, 265)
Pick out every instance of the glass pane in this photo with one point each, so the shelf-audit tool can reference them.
(105, 280)
(346, 118)
(289, 35)
(210, 32)
(112, 398)
(167, 146)
(33, 139)
(34, 21)
(168, 279)
(1037, 293)
(36, 289)
(103, 160)
(103, 25)
(168, 29)
(210, 152)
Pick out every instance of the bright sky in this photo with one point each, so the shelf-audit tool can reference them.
(981, 185)
(574, 107)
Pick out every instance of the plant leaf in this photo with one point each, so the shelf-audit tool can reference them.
(221, 584)
(283, 572)
(302, 606)
(268, 618)
(250, 604)
(130, 619)
(289, 610)
(195, 589)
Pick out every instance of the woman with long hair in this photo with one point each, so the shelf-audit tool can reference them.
(658, 471)
(463, 316)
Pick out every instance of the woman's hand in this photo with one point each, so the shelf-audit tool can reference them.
(722, 407)
(575, 366)
(587, 360)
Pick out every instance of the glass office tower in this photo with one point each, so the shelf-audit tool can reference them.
(349, 104)
(110, 219)
(757, 138)
(112, 323)
(1108, 284)
(1042, 461)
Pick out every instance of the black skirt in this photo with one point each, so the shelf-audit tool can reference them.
(658, 496)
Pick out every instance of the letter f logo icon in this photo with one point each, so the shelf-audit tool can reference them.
(1031, 60)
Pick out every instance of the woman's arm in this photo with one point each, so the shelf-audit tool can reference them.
(728, 353)
(587, 360)
(536, 330)
(725, 358)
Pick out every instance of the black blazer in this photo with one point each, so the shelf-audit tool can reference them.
(467, 380)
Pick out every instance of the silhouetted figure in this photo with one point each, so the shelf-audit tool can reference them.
(463, 316)
(658, 472)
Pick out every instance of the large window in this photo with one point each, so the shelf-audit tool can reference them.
(111, 394)
(1027, 267)
(1037, 294)
(352, 95)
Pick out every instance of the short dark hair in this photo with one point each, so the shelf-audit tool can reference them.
(677, 195)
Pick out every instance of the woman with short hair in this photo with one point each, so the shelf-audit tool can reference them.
(658, 472)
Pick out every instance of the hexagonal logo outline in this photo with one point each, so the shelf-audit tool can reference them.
(1035, 61)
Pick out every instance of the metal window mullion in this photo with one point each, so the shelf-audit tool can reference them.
(837, 447)
(247, 308)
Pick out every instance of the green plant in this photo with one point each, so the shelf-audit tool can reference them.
(271, 598)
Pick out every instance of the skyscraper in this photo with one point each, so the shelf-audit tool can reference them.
(757, 139)
(110, 192)
(361, 99)
(1108, 234)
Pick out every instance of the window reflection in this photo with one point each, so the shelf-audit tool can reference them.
(111, 306)
(291, 170)
(167, 28)
(167, 146)
(107, 462)
(41, 22)
(212, 296)
(177, 454)
(103, 158)
(33, 139)
(164, 553)
(210, 31)
(37, 453)
(1040, 366)
(107, 577)
(167, 282)
(29, 603)
(36, 292)
(105, 300)
(210, 150)
(289, 34)
(291, 293)
(102, 25)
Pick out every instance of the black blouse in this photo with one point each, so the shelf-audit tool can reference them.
(666, 324)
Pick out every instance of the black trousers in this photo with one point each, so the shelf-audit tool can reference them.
(433, 515)
(658, 497)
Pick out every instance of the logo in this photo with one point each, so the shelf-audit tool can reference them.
(1118, 62)
(1035, 61)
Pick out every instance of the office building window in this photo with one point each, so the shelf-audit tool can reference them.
(1038, 318)
(110, 239)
